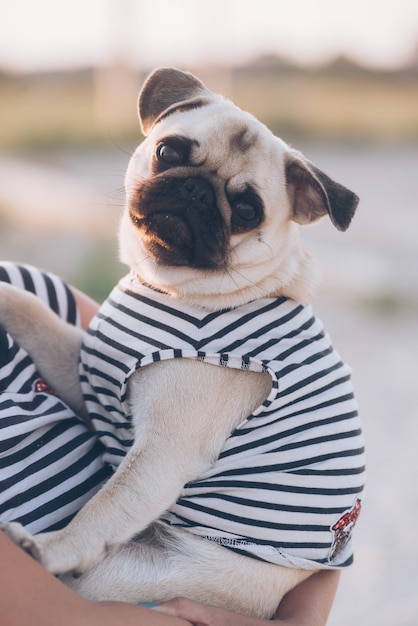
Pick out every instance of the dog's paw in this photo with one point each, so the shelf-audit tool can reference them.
(53, 550)
(22, 538)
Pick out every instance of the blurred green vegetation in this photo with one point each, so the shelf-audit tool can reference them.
(87, 261)
(335, 107)
(389, 304)
(46, 110)
(338, 101)
(100, 271)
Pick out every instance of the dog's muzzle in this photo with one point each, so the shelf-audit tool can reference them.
(180, 223)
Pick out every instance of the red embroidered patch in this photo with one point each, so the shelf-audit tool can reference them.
(342, 529)
(42, 387)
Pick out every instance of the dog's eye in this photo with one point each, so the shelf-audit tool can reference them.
(244, 211)
(247, 212)
(168, 154)
(172, 152)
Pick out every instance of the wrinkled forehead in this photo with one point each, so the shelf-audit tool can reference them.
(243, 137)
(233, 143)
(220, 132)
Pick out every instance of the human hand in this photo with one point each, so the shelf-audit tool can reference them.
(204, 615)
(308, 604)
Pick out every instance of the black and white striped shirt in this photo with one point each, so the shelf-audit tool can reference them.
(50, 463)
(286, 486)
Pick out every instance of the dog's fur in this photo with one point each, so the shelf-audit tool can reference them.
(241, 244)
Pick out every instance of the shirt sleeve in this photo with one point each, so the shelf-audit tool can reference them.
(47, 286)
(51, 463)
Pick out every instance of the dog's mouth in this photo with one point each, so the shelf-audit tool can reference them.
(180, 223)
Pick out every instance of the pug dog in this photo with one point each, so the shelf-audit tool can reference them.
(227, 414)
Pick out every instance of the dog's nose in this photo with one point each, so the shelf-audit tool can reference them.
(198, 193)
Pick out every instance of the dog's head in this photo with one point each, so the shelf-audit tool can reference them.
(214, 200)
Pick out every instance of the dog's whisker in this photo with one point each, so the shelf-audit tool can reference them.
(229, 274)
(248, 281)
(118, 192)
(128, 151)
(139, 262)
(268, 246)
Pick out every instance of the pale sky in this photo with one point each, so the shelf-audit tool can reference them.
(52, 34)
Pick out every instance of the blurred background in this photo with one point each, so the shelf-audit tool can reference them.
(338, 81)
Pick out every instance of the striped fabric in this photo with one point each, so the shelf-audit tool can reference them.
(286, 487)
(50, 463)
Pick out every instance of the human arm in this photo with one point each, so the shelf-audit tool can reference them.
(30, 595)
(308, 604)
(86, 306)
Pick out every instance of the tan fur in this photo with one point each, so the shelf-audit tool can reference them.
(176, 441)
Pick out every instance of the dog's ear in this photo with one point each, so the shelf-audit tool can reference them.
(313, 194)
(167, 90)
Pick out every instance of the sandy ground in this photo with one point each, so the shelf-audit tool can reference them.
(375, 261)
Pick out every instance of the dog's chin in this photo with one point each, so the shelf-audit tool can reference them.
(215, 291)
(170, 242)
(294, 276)
(218, 290)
